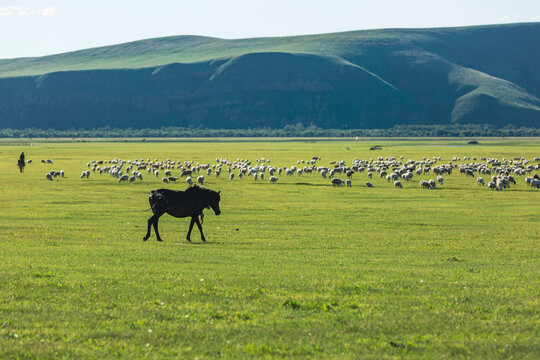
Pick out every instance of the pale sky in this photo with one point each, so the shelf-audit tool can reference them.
(43, 27)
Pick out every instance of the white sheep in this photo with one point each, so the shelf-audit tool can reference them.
(49, 176)
(348, 182)
(337, 182)
(189, 180)
(491, 185)
(369, 185)
(200, 180)
(480, 181)
(398, 184)
(165, 180)
(425, 185)
(132, 178)
(273, 179)
(440, 179)
(123, 178)
(231, 176)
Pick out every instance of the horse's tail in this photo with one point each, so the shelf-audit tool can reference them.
(157, 201)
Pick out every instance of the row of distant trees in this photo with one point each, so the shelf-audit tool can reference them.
(298, 130)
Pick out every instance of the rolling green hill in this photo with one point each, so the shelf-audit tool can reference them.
(360, 79)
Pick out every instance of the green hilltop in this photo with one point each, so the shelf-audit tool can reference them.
(357, 79)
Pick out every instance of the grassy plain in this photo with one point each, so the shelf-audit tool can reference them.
(296, 269)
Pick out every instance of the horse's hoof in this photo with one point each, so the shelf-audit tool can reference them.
(204, 240)
(159, 240)
(145, 238)
(189, 240)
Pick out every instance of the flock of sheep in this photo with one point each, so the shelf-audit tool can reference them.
(394, 170)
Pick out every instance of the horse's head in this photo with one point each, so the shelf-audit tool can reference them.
(214, 202)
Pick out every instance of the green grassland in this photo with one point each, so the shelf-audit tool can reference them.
(297, 269)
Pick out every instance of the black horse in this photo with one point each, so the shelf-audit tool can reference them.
(180, 204)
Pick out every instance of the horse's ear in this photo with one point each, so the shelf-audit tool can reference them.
(219, 191)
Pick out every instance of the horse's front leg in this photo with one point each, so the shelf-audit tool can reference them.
(200, 228)
(188, 237)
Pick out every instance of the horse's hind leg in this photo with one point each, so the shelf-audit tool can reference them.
(200, 228)
(156, 227)
(153, 221)
(188, 237)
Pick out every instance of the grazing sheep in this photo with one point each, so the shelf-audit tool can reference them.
(173, 178)
(189, 180)
(165, 180)
(62, 173)
(273, 179)
(398, 184)
(348, 182)
(132, 178)
(369, 185)
(370, 175)
(337, 182)
(440, 179)
(425, 185)
(29, 161)
(43, 161)
(123, 178)
(231, 176)
(432, 183)
(200, 180)
(491, 185)
(49, 176)
(261, 176)
(535, 183)
(480, 181)
(49, 161)
(168, 173)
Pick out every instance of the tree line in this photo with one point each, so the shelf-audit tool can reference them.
(297, 130)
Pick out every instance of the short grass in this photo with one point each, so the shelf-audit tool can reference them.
(298, 269)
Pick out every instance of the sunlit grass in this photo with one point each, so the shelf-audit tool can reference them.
(293, 269)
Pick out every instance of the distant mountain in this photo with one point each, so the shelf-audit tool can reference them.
(360, 79)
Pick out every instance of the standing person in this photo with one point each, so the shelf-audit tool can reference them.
(21, 163)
